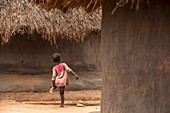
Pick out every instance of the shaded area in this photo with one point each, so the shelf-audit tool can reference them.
(36, 83)
(33, 55)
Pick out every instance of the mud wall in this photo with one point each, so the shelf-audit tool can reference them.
(136, 52)
(33, 55)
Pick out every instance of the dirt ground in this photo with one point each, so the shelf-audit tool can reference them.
(25, 108)
(44, 102)
(24, 93)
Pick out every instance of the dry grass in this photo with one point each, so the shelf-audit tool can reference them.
(88, 5)
(19, 17)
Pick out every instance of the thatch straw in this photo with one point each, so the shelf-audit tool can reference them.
(134, 4)
(88, 5)
(19, 16)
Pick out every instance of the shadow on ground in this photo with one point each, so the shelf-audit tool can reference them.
(41, 82)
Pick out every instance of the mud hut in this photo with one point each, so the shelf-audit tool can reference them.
(135, 52)
(29, 36)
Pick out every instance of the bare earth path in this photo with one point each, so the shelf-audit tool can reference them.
(43, 102)
(15, 107)
(29, 94)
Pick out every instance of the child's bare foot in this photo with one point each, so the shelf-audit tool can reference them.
(62, 106)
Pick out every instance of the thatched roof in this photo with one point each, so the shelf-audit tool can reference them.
(19, 16)
(87, 5)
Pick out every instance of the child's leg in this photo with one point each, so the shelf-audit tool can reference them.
(61, 91)
(52, 87)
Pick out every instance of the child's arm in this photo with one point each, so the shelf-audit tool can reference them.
(52, 87)
(71, 71)
(53, 78)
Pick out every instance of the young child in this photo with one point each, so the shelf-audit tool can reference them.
(60, 77)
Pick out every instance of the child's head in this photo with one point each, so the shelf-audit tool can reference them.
(56, 57)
